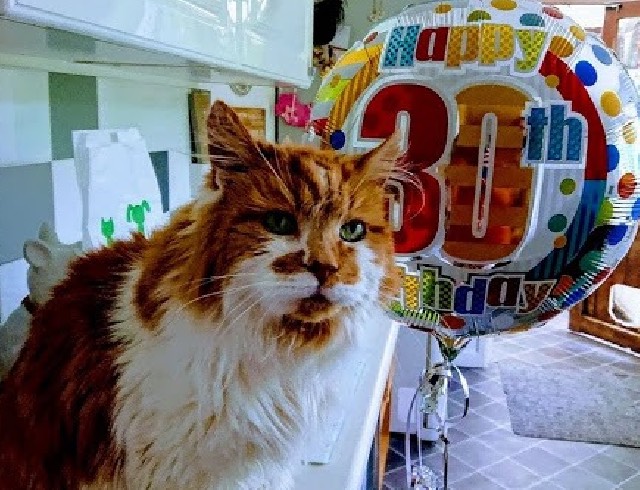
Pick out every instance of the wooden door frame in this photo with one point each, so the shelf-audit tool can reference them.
(613, 14)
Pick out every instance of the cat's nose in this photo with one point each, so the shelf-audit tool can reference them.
(321, 270)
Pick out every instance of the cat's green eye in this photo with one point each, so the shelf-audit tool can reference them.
(280, 223)
(353, 231)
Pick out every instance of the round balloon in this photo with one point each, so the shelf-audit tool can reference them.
(521, 134)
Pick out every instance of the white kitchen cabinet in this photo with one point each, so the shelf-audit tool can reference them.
(270, 39)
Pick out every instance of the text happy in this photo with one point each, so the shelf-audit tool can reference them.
(489, 45)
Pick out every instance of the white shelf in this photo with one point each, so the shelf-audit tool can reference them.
(346, 469)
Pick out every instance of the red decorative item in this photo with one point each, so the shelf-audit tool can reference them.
(292, 111)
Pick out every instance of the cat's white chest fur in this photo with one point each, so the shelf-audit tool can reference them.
(208, 406)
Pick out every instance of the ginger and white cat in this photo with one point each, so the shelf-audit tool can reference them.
(193, 359)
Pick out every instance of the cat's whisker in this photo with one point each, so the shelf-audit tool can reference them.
(202, 282)
(238, 305)
(217, 293)
(227, 326)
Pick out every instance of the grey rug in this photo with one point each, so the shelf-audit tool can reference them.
(573, 405)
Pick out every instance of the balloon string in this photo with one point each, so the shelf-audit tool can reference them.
(433, 388)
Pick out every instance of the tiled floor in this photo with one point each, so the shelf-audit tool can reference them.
(486, 454)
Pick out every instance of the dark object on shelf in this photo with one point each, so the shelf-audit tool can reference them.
(327, 14)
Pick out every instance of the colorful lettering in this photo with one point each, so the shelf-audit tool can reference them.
(487, 44)
(470, 298)
(432, 44)
(571, 149)
(437, 292)
(427, 288)
(531, 46)
(401, 46)
(497, 43)
(532, 294)
(463, 45)
(503, 291)
(565, 134)
(536, 121)
(428, 137)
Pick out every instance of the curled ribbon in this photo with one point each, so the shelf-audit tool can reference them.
(433, 386)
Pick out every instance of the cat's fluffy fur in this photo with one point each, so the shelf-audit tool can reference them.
(193, 359)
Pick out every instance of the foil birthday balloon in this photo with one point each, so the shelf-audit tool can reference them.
(521, 129)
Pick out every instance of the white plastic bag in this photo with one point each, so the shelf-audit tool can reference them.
(118, 185)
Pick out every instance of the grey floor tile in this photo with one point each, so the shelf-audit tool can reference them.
(456, 436)
(545, 485)
(524, 341)
(455, 409)
(631, 366)
(476, 454)
(396, 479)
(510, 474)
(498, 412)
(573, 452)
(474, 375)
(627, 455)
(455, 401)
(475, 424)
(435, 462)
(492, 373)
(608, 468)
(576, 346)
(510, 345)
(563, 364)
(457, 469)
(477, 399)
(397, 443)
(631, 484)
(555, 352)
(492, 388)
(584, 362)
(506, 442)
(546, 338)
(606, 355)
(541, 462)
(575, 478)
(458, 396)
(394, 460)
(561, 334)
(475, 481)
(535, 358)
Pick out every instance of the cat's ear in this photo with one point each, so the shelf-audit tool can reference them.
(231, 147)
(37, 253)
(382, 161)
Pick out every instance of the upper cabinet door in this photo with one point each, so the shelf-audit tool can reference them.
(258, 37)
(277, 35)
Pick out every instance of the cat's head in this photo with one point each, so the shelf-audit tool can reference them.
(298, 234)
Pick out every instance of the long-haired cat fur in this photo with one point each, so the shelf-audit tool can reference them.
(193, 359)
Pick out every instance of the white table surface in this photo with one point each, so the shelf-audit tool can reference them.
(347, 467)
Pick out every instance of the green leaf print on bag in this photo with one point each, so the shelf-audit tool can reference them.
(136, 213)
(108, 229)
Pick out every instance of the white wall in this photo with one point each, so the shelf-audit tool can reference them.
(24, 117)
(161, 113)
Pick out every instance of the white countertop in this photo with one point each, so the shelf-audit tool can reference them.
(347, 466)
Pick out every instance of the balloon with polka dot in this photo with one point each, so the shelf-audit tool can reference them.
(521, 129)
